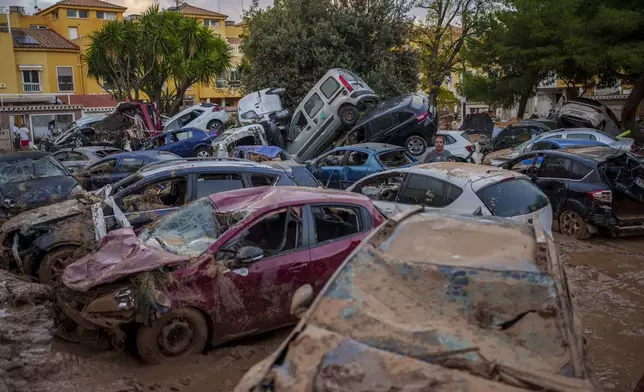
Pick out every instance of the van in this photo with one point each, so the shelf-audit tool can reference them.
(333, 104)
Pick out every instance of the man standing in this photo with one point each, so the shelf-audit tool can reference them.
(439, 154)
(24, 138)
(15, 130)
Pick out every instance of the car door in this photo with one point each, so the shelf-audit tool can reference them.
(180, 143)
(357, 167)
(99, 174)
(127, 166)
(553, 175)
(337, 229)
(329, 168)
(428, 191)
(257, 297)
(382, 189)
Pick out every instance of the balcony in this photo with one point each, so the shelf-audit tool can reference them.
(234, 83)
(31, 87)
(221, 83)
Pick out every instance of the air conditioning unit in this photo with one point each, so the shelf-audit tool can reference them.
(3, 85)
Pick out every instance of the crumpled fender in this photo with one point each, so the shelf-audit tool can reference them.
(72, 233)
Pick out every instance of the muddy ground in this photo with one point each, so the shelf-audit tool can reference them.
(607, 277)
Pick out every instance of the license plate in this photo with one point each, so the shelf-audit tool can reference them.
(578, 113)
(639, 181)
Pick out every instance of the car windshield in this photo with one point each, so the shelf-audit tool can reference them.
(513, 197)
(22, 169)
(192, 229)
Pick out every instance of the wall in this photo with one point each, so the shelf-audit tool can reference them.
(85, 26)
(49, 60)
(24, 21)
(8, 66)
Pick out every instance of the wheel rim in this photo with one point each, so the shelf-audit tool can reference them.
(348, 116)
(570, 223)
(215, 126)
(203, 154)
(415, 146)
(175, 337)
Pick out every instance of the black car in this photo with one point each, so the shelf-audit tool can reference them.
(595, 189)
(31, 179)
(516, 134)
(408, 121)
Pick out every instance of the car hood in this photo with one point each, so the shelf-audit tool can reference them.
(38, 191)
(505, 155)
(44, 214)
(121, 254)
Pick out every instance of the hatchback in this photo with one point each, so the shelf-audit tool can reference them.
(585, 112)
(204, 116)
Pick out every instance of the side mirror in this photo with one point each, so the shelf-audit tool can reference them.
(301, 301)
(249, 255)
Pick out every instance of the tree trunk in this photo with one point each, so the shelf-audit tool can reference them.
(630, 111)
(523, 102)
(178, 100)
(433, 94)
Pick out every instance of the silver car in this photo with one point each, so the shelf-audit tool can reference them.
(584, 112)
(335, 101)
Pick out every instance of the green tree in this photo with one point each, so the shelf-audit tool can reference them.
(295, 42)
(163, 46)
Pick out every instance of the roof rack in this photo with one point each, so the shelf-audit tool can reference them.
(186, 160)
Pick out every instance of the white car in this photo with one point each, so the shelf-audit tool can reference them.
(459, 145)
(204, 116)
(250, 135)
(256, 106)
(461, 187)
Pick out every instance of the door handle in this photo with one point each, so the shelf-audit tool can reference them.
(308, 128)
(315, 121)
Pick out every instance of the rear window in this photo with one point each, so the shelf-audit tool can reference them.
(513, 198)
(303, 177)
(329, 87)
(417, 102)
(396, 158)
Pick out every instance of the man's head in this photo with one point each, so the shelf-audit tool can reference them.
(439, 143)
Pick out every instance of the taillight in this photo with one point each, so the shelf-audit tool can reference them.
(216, 108)
(597, 110)
(604, 196)
(345, 83)
(422, 117)
(470, 148)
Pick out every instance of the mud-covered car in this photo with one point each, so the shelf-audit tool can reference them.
(221, 268)
(436, 302)
(43, 241)
(31, 179)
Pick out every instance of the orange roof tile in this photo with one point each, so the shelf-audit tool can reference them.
(82, 3)
(188, 9)
(46, 39)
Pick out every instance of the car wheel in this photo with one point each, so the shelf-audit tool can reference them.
(215, 125)
(55, 261)
(416, 145)
(179, 333)
(203, 153)
(573, 225)
(349, 115)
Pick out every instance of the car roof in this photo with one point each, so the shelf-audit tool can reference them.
(181, 130)
(460, 173)
(220, 164)
(596, 154)
(89, 149)
(146, 153)
(271, 197)
(22, 154)
(585, 101)
(573, 142)
(370, 147)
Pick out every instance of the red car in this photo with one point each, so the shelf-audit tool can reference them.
(220, 268)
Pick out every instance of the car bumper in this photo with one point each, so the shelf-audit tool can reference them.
(603, 217)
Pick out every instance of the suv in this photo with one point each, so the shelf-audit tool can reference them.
(407, 121)
(584, 112)
(205, 116)
(335, 101)
(49, 238)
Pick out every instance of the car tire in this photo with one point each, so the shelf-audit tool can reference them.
(215, 125)
(156, 343)
(572, 224)
(55, 261)
(349, 115)
(416, 145)
(203, 152)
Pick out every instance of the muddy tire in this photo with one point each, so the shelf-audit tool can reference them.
(54, 263)
(179, 333)
(572, 224)
(349, 115)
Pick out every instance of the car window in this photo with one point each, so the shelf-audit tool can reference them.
(106, 167)
(76, 156)
(61, 156)
(263, 179)
(189, 117)
(580, 170)
(335, 158)
(381, 123)
(251, 115)
(383, 187)
(298, 125)
(173, 126)
(555, 167)
(357, 158)
(163, 193)
(207, 184)
(543, 146)
(329, 87)
(334, 222)
(429, 191)
(313, 105)
(417, 102)
(396, 158)
(356, 136)
(130, 165)
(523, 134)
(404, 116)
(513, 198)
(582, 136)
(105, 153)
(179, 136)
(302, 177)
(276, 233)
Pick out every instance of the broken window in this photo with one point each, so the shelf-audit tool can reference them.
(395, 158)
(555, 167)
(384, 187)
(157, 195)
(277, 233)
(513, 198)
(333, 159)
(429, 191)
(130, 165)
(76, 156)
(25, 169)
(332, 223)
(298, 124)
(262, 180)
(244, 141)
(102, 168)
(356, 136)
(357, 158)
(207, 184)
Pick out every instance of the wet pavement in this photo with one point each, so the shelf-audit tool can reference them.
(606, 276)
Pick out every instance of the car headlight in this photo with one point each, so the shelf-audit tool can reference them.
(124, 299)
(120, 300)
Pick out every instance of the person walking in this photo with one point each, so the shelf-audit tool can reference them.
(24, 138)
(439, 154)
(15, 130)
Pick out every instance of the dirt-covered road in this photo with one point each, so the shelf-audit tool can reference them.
(607, 277)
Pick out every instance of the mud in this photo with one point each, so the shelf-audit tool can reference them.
(606, 277)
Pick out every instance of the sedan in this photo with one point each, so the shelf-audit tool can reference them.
(458, 187)
(221, 268)
(75, 159)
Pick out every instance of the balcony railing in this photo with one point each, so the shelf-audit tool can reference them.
(221, 83)
(31, 87)
(234, 83)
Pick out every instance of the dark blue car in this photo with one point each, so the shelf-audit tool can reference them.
(185, 142)
(118, 166)
(343, 166)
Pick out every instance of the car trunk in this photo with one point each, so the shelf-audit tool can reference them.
(625, 175)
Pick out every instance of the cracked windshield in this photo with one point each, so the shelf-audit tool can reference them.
(321, 195)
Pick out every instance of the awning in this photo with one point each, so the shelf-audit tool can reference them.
(27, 67)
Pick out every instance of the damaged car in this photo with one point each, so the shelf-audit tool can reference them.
(436, 302)
(42, 242)
(222, 267)
(261, 153)
(185, 142)
(250, 135)
(32, 179)
(76, 158)
(592, 190)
